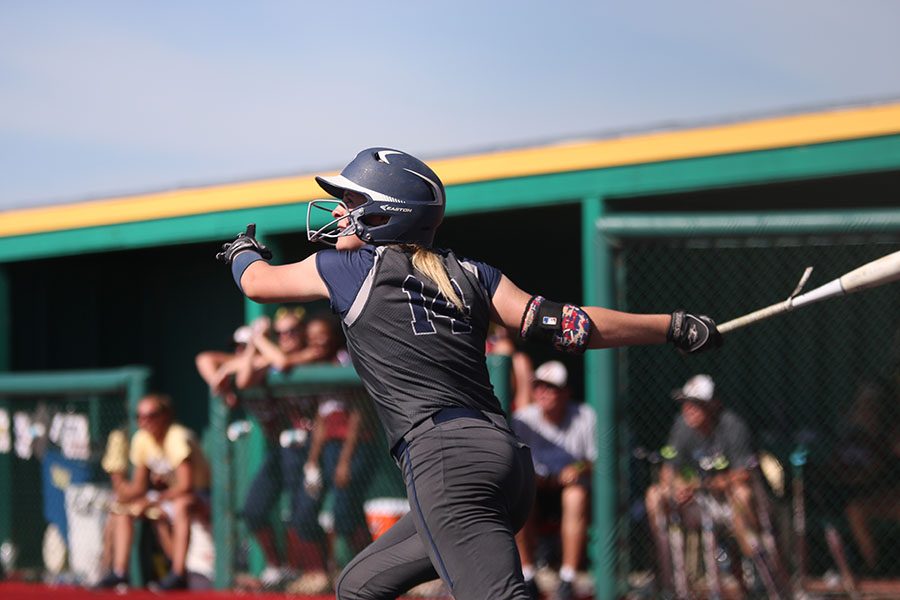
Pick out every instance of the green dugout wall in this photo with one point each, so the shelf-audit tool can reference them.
(552, 217)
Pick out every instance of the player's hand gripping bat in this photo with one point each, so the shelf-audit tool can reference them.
(873, 274)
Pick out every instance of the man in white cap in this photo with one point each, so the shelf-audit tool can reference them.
(562, 437)
(711, 442)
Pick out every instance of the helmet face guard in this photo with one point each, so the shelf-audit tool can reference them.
(332, 230)
(403, 192)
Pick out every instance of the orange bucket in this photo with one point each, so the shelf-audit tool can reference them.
(383, 513)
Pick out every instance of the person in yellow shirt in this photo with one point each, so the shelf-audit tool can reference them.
(169, 484)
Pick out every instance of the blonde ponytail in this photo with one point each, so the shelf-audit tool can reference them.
(429, 264)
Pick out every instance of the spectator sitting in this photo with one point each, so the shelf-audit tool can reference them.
(865, 465)
(338, 433)
(170, 481)
(562, 437)
(707, 432)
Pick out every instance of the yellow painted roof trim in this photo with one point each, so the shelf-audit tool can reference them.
(763, 134)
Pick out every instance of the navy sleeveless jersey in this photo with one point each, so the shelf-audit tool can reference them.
(414, 351)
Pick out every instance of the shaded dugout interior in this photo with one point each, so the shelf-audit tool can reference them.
(161, 306)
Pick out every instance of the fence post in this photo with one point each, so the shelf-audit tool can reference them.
(6, 483)
(600, 387)
(136, 379)
(499, 366)
(222, 493)
(5, 406)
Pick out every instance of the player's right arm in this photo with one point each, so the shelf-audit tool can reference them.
(265, 283)
(596, 327)
(295, 282)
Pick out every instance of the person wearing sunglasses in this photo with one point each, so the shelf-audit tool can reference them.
(169, 485)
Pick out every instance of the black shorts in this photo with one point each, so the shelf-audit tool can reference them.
(548, 503)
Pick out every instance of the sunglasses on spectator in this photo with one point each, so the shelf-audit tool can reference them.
(291, 331)
(148, 415)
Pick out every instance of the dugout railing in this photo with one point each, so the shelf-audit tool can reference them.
(819, 388)
(53, 493)
(241, 444)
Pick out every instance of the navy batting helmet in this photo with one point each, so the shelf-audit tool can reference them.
(397, 186)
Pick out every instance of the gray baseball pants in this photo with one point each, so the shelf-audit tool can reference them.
(470, 484)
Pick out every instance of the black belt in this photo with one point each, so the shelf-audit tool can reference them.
(441, 416)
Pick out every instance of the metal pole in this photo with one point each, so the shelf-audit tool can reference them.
(499, 367)
(790, 223)
(223, 522)
(600, 387)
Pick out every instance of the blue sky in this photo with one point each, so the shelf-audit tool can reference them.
(106, 98)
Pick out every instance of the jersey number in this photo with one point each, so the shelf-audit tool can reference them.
(424, 309)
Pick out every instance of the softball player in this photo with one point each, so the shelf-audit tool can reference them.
(416, 319)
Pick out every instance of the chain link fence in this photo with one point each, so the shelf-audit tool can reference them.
(302, 480)
(819, 393)
(54, 495)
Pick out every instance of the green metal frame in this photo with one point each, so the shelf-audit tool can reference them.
(5, 360)
(131, 380)
(221, 465)
(499, 367)
(603, 234)
(6, 516)
(830, 159)
(820, 222)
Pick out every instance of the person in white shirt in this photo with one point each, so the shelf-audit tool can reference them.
(562, 437)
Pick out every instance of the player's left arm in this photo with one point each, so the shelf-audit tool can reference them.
(575, 328)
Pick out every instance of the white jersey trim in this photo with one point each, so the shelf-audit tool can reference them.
(470, 268)
(362, 296)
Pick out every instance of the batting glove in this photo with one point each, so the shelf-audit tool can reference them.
(245, 240)
(693, 333)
